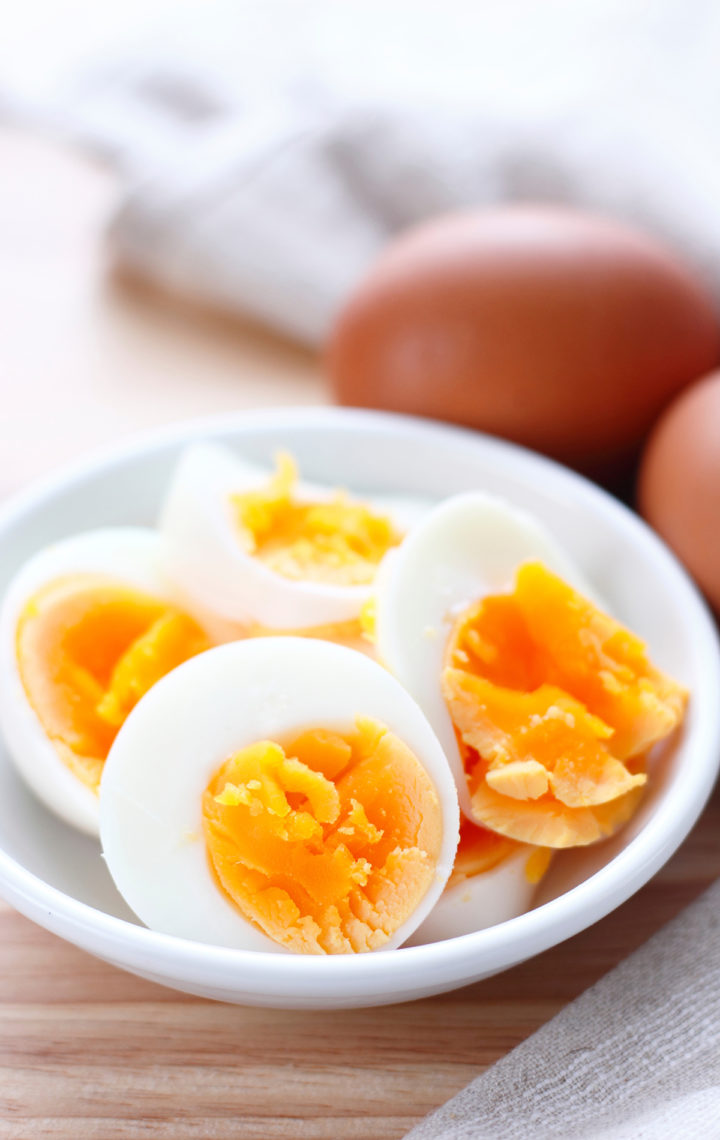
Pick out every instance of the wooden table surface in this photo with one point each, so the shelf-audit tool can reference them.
(89, 1051)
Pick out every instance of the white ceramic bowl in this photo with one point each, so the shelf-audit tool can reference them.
(56, 876)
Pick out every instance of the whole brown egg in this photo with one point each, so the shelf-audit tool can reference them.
(679, 483)
(562, 330)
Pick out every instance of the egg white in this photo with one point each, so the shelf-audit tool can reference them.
(190, 722)
(131, 555)
(466, 548)
(216, 575)
(479, 901)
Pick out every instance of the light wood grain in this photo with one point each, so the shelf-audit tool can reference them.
(87, 1051)
(88, 357)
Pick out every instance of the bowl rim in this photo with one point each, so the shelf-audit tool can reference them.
(457, 960)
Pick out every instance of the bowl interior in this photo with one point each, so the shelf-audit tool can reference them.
(627, 566)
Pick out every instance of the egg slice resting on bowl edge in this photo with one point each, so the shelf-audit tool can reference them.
(87, 626)
(280, 794)
(545, 706)
(269, 552)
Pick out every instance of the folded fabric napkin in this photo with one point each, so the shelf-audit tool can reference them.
(268, 150)
(637, 1057)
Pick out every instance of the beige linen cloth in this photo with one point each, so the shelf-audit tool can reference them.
(267, 150)
(637, 1057)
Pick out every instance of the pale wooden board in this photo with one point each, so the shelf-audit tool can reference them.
(86, 1050)
(87, 358)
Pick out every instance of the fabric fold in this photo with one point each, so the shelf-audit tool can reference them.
(636, 1057)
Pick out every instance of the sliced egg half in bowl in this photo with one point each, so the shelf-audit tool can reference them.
(547, 707)
(86, 628)
(261, 548)
(280, 793)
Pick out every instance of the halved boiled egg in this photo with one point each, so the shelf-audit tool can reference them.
(545, 705)
(280, 793)
(86, 628)
(493, 880)
(264, 549)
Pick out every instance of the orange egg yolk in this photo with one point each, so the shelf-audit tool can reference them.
(88, 648)
(555, 705)
(481, 850)
(339, 542)
(328, 844)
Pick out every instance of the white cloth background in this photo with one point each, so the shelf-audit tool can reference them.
(269, 149)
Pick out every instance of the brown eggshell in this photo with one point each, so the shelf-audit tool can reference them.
(561, 330)
(679, 482)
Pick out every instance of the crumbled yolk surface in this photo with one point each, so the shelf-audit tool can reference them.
(88, 648)
(555, 705)
(339, 541)
(328, 844)
(481, 850)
